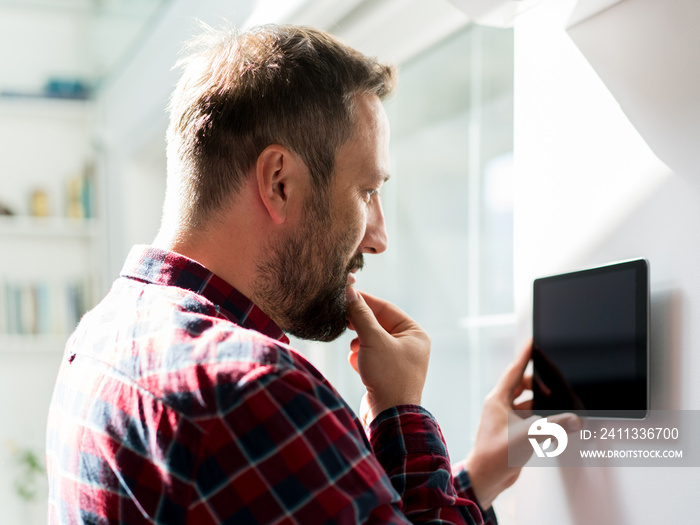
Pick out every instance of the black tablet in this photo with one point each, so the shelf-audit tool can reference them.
(591, 342)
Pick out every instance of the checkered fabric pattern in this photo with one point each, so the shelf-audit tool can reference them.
(178, 401)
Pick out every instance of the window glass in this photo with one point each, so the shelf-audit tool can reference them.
(449, 215)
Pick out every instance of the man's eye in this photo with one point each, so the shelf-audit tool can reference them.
(371, 193)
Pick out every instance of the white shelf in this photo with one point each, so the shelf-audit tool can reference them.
(45, 108)
(63, 227)
(32, 344)
(51, 275)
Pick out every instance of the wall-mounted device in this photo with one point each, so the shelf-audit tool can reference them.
(591, 342)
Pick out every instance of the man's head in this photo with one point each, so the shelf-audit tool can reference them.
(243, 100)
(242, 91)
(302, 283)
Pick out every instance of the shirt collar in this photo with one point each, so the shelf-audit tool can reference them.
(153, 265)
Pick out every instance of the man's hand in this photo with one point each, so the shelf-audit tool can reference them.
(390, 353)
(487, 464)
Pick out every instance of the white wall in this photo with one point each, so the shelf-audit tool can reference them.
(38, 43)
(590, 191)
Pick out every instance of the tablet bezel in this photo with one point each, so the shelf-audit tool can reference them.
(642, 307)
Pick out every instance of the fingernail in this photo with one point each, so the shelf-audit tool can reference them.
(350, 294)
(573, 423)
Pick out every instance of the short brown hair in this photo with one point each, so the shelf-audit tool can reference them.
(242, 91)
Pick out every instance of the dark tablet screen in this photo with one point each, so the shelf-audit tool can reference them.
(590, 341)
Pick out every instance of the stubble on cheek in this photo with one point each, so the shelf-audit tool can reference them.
(301, 286)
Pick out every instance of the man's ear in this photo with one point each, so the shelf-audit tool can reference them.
(280, 175)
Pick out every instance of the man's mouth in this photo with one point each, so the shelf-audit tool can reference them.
(356, 265)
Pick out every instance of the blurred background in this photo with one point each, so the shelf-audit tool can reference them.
(511, 159)
(84, 85)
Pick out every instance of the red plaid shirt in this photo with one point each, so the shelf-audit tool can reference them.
(179, 401)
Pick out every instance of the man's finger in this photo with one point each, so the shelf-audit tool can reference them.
(352, 359)
(542, 388)
(389, 316)
(361, 316)
(513, 376)
(517, 392)
(525, 384)
(570, 422)
(524, 405)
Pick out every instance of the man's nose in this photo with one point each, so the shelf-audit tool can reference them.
(375, 239)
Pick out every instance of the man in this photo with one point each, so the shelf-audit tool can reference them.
(179, 399)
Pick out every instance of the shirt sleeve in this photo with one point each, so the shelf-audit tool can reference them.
(463, 486)
(288, 448)
(409, 444)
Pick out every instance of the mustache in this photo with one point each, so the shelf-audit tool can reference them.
(357, 262)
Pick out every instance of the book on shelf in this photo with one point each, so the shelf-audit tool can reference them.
(80, 194)
(36, 308)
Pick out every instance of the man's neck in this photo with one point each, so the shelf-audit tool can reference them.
(226, 255)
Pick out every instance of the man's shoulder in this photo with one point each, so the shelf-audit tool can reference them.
(201, 341)
(208, 373)
(177, 347)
